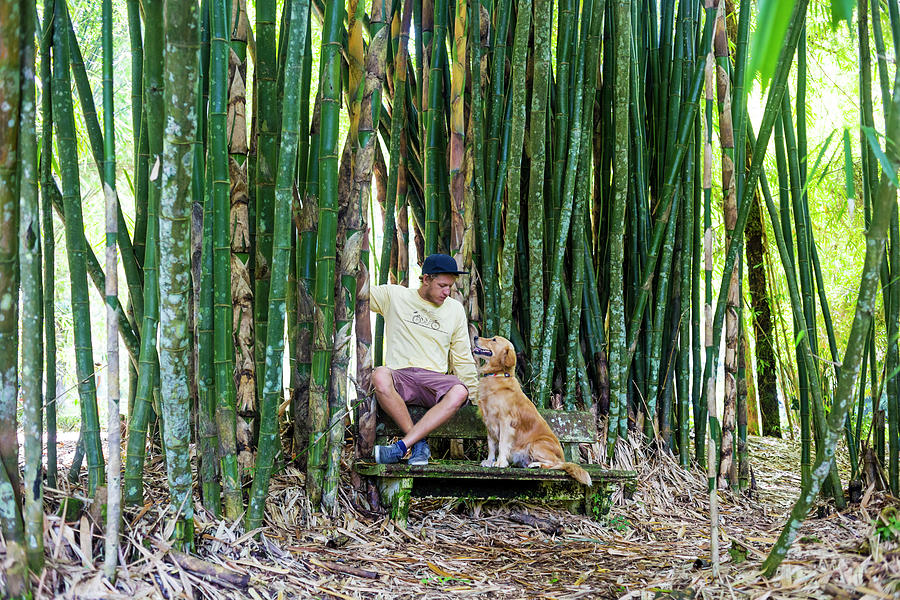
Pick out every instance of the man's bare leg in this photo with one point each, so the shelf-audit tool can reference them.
(391, 403)
(437, 415)
(389, 400)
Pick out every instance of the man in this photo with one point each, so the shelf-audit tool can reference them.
(427, 359)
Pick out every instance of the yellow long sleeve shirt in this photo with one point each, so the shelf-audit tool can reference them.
(421, 334)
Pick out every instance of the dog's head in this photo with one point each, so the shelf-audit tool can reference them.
(497, 355)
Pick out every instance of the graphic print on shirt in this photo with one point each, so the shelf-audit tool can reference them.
(425, 320)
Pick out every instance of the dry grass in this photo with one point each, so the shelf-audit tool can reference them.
(654, 545)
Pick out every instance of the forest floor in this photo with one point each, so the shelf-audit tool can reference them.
(653, 545)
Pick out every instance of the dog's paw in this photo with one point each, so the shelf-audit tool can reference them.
(502, 463)
(487, 463)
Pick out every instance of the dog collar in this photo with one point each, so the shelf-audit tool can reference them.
(496, 375)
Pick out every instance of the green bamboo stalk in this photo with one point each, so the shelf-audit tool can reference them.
(307, 225)
(575, 367)
(518, 91)
(138, 126)
(16, 564)
(689, 108)
(687, 310)
(68, 153)
(497, 107)
(433, 116)
(269, 440)
(49, 241)
(206, 378)
(266, 114)
(699, 191)
(96, 138)
(883, 207)
(113, 429)
(182, 54)
(206, 382)
(330, 86)
(775, 96)
(566, 41)
(218, 162)
(398, 124)
(10, 65)
(617, 353)
(29, 239)
(349, 239)
(651, 423)
(543, 10)
(148, 361)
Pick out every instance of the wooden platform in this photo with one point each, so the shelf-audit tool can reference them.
(399, 482)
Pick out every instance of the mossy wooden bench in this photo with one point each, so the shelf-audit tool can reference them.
(465, 479)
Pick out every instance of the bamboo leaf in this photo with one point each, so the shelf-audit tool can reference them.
(771, 27)
(849, 186)
(815, 169)
(842, 10)
(879, 154)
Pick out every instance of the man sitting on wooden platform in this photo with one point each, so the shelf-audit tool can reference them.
(427, 357)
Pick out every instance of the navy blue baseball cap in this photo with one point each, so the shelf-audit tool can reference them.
(441, 264)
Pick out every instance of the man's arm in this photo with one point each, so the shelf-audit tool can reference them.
(379, 298)
(461, 361)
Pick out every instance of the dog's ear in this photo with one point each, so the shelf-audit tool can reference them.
(509, 357)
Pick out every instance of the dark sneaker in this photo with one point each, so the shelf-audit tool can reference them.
(385, 455)
(419, 454)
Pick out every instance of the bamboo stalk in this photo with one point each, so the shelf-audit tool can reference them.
(323, 342)
(617, 352)
(113, 429)
(228, 189)
(65, 121)
(181, 65)
(266, 114)
(29, 240)
(269, 440)
(519, 61)
(49, 242)
(883, 207)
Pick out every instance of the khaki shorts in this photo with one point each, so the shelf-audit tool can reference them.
(421, 387)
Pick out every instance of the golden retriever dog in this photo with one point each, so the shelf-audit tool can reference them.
(516, 433)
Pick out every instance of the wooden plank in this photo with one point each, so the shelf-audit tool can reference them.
(575, 426)
(451, 469)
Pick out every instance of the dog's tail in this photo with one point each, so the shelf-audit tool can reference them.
(576, 472)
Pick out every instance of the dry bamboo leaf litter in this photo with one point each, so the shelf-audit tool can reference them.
(648, 547)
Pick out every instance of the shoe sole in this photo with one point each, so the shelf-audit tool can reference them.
(417, 464)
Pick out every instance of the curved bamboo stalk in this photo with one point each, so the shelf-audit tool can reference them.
(68, 152)
(96, 138)
(883, 207)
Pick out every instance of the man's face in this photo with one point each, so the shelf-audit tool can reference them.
(436, 288)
